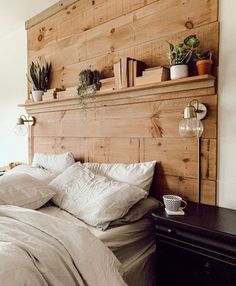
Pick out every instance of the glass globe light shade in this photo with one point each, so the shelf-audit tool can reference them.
(191, 127)
(20, 130)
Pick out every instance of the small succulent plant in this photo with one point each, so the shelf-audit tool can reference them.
(89, 83)
(203, 56)
(181, 54)
(39, 76)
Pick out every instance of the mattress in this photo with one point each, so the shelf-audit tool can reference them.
(133, 244)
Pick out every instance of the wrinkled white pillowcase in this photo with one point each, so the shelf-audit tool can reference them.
(55, 163)
(137, 174)
(37, 173)
(24, 191)
(94, 199)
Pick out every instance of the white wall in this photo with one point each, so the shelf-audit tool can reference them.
(227, 106)
(13, 66)
(13, 90)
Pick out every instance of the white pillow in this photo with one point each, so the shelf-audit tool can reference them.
(56, 163)
(24, 191)
(92, 198)
(37, 173)
(137, 174)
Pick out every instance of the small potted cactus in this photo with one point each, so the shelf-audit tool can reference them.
(38, 77)
(180, 55)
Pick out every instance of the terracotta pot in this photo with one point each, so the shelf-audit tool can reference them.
(204, 66)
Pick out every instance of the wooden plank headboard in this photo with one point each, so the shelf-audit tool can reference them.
(139, 124)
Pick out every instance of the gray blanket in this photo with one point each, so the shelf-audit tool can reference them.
(37, 249)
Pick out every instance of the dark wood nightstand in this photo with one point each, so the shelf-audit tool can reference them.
(197, 249)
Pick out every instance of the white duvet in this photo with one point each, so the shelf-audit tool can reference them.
(37, 249)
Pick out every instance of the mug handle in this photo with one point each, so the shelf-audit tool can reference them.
(185, 204)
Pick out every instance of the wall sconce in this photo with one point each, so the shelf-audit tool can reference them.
(21, 128)
(191, 126)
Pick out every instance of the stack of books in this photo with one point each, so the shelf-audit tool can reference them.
(51, 94)
(107, 84)
(153, 75)
(126, 70)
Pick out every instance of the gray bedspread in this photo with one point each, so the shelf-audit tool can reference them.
(38, 249)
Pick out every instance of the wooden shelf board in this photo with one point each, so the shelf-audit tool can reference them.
(171, 86)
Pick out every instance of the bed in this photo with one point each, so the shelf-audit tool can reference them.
(133, 244)
(41, 229)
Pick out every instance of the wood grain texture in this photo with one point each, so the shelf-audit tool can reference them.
(138, 124)
(181, 160)
(186, 187)
(145, 119)
(62, 4)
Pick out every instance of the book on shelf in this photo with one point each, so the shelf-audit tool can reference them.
(51, 94)
(162, 73)
(117, 73)
(138, 67)
(126, 70)
(68, 93)
(130, 72)
(107, 84)
(153, 75)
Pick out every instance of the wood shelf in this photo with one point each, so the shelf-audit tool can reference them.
(164, 90)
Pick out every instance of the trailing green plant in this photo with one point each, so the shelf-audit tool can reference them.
(39, 76)
(180, 54)
(89, 83)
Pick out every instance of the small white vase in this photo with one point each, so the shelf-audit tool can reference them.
(178, 71)
(37, 95)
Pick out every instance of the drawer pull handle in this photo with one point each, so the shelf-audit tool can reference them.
(207, 268)
(170, 231)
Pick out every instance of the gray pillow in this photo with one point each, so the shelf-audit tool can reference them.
(138, 211)
(23, 190)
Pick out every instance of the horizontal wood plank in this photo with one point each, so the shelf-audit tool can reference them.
(145, 119)
(80, 17)
(54, 9)
(176, 157)
(110, 150)
(185, 187)
(140, 22)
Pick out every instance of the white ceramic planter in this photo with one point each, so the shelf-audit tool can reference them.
(37, 95)
(178, 71)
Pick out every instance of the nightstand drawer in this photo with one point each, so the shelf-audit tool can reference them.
(182, 266)
(172, 232)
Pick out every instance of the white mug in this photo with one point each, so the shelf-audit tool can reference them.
(173, 203)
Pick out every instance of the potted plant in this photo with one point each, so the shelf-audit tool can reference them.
(89, 83)
(180, 55)
(39, 79)
(204, 62)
